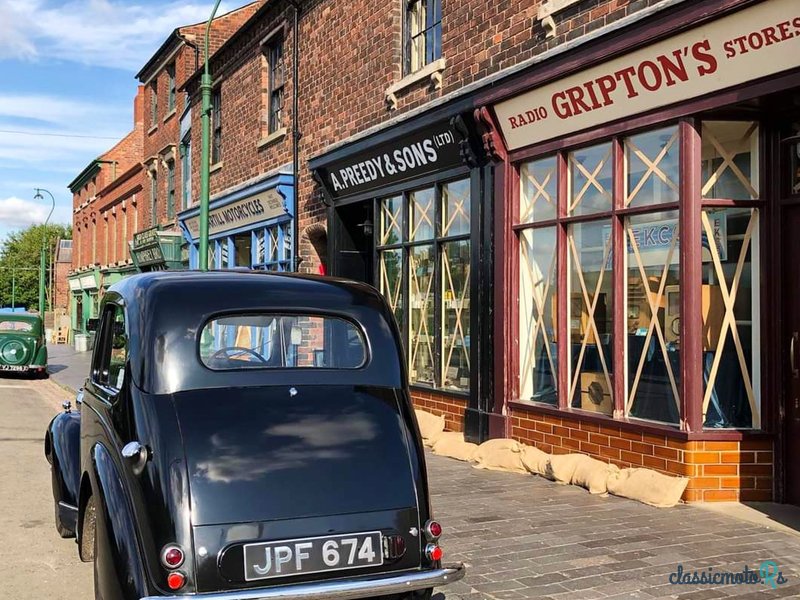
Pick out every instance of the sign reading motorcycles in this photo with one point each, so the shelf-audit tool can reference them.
(761, 40)
(247, 211)
(432, 149)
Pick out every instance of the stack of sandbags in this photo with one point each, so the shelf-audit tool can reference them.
(647, 486)
(430, 426)
(500, 455)
(452, 445)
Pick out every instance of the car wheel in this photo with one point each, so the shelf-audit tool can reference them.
(88, 537)
(421, 594)
(63, 531)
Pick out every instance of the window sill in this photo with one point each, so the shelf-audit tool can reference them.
(670, 431)
(272, 138)
(215, 167)
(432, 71)
(426, 389)
(152, 129)
(170, 114)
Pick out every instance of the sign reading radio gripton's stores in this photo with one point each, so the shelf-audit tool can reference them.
(432, 149)
(757, 41)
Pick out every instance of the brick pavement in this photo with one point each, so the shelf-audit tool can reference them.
(526, 537)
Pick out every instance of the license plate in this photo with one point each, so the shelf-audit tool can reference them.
(13, 368)
(302, 556)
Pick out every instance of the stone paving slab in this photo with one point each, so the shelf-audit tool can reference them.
(526, 537)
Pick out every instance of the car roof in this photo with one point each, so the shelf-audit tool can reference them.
(167, 310)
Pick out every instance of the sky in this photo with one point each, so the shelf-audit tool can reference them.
(67, 84)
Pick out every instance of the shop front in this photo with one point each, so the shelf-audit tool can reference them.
(84, 287)
(407, 214)
(646, 293)
(249, 227)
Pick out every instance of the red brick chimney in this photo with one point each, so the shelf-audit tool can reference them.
(138, 107)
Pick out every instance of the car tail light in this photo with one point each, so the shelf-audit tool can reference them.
(175, 580)
(433, 530)
(433, 552)
(172, 557)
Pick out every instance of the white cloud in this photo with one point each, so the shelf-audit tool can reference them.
(58, 109)
(94, 32)
(19, 213)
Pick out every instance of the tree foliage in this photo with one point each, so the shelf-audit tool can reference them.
(19, 263)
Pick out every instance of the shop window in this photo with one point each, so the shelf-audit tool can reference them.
(589, 180)
(591, 315)
(730, 160)
(171, 87)
(242, 245)
(391, 280)
(274, 247)
(425, 277)
(730, 307)
(652, 162)
(538, 195)
(216, 126)
(422, 326)
(423, 23)
(538, 354)
(653, 317)
(391, 211)
(222, 254)
(275, 65)
(421, 211)
(170, 190)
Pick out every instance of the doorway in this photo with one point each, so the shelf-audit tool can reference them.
(354, 247)
(790, 330)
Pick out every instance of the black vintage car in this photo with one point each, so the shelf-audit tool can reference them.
(246, 436)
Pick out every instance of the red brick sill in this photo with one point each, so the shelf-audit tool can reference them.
(461, 396)
(645, 426)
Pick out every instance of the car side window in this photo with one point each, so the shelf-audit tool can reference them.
(111, 355)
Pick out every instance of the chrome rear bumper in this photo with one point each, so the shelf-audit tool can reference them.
(349, 589)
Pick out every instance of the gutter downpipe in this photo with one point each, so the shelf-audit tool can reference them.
(296, 133)
(205, 151)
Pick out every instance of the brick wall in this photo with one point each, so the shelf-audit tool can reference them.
(440, 404)
(719, 470)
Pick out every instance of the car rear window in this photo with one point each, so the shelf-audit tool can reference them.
(281, 341)
(22, 326)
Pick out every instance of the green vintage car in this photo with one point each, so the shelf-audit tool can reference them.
(22, 344)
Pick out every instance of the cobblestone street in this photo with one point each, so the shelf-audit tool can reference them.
(526, 537)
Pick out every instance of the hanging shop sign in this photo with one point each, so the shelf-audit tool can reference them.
(432, 149)
(247, 211)
(755, 42)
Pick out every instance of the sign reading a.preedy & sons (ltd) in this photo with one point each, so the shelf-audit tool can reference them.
(426, 151)
(757, 41)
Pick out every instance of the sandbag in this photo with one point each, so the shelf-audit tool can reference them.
(500, 455)
(534, 460)
(561, 467)
(430, 425)
(647, 486)
(593, 474)
(452, 444)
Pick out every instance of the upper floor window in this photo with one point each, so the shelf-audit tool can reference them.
(153, 198)
(423, 33)
(171, 87)
(216, 126)
(171, 190)
(274, 65)
(154, 102)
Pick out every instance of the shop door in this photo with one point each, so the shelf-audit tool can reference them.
(354, 242)
(790, 334)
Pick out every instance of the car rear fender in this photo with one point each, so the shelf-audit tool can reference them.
(120, 574)
(62, 448)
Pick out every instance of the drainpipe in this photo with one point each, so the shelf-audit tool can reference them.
(205, 150)
(296, 131)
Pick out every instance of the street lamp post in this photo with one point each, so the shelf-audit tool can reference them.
(205, 149)
(39, 196)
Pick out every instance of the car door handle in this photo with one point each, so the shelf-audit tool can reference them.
(136, 455)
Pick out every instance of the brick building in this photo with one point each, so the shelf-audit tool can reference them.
(167, 139)
(105, 205)
(480, 163)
